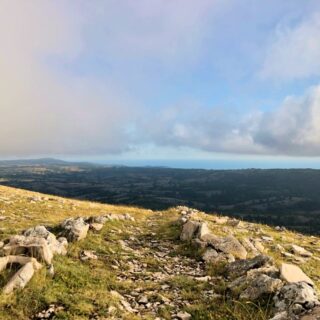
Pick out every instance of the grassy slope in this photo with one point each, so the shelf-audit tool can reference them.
(83, 288)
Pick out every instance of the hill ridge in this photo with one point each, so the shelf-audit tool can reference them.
(139, 268)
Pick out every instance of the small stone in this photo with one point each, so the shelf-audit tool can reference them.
(210, 255)
(51, 270)
(203, 279)
(220, 220)
(143, 300)
(88, 255)
(183, 315)
(259, 246)
(112, 309)
(267, 239)
(96, 226)
(300, 251)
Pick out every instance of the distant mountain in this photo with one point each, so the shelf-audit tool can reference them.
(43, 162)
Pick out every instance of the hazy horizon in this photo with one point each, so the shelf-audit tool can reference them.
(209, 164)
(157, 79)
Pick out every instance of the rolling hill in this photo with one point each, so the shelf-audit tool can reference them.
(144, 264)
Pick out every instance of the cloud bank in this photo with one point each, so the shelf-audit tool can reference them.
(46, 106)
(291, 129)
(75, 76)
(45, 110)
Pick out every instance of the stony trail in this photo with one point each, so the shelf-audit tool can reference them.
(152, 262)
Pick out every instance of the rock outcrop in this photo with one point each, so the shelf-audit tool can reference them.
(23, 275)
(295, 299)
(293, 274)
(75, 229)
(250, 279)
(36, 242)
(39, 244)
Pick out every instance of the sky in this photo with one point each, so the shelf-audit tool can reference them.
(233, 81)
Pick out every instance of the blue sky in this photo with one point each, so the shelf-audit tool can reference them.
(236, 80)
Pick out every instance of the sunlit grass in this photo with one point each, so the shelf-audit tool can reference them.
(83, 288)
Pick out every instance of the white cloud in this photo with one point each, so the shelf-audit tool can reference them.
(294, 51)
(50, 110)
(46, 111)
(292, 129)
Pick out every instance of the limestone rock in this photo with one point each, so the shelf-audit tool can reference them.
(88, 255)
(220, 220)
(183, 315)
(50, 312)
(279, 247)
(61, 246)
(213, 257)
(143, 300)
(296, 298)
(75, 229)
(202, 230)
(97, 219)
(235, 223)
(267, 239)
(255, 282)
(313, 315)
(269, 270)
(8, 260)
(249, 246)
(291, 274)
(127, 216)
(30, 246)
(96, 226)
(300, 251)
(281, 316)
(189, 230)
(199, 244)
(36, 242)
(211, 239)
(182, 220)
(258, 245)
(23, 275)
(209, 255)
(57, 246)
(259, 286)
(228, 244)
(241, 267)
(20, 279)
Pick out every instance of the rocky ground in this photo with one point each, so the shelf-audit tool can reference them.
(129, 263)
